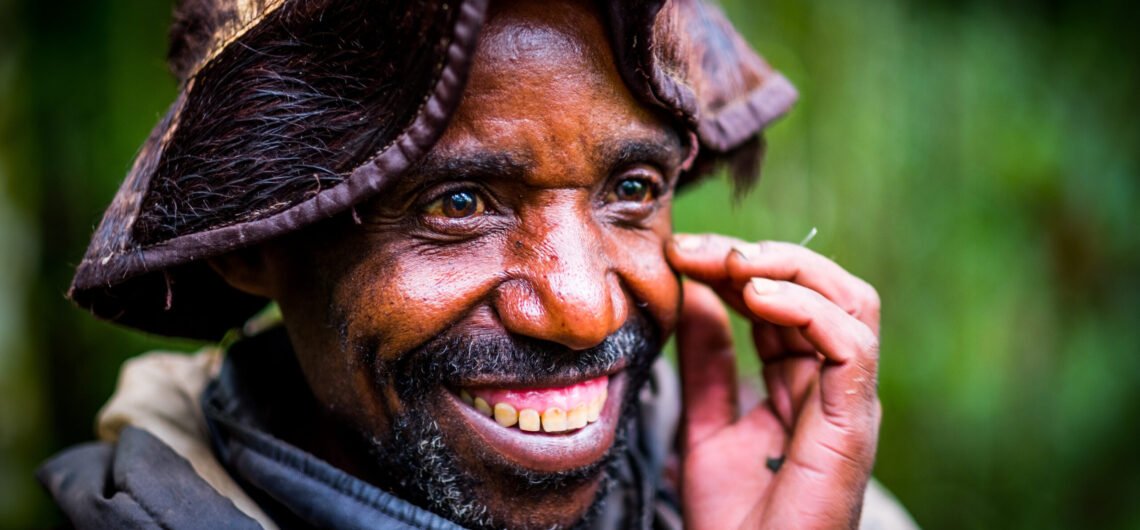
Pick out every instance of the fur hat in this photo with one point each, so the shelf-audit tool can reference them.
(294, 111)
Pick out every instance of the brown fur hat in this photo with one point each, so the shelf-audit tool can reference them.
(294, 111)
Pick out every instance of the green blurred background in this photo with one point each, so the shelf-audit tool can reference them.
(978, 162)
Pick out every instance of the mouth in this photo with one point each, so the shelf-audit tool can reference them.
(546, 429)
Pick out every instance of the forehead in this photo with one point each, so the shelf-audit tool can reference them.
(544, 88)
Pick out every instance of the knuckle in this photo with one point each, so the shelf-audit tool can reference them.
(868, 345)
(864, 295)
(765, 247)
(870, 296)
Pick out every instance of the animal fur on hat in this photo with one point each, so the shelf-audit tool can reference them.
(294, 111)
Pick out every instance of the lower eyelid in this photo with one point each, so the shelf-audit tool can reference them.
(475, 226)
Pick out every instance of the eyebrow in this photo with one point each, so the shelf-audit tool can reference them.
(476, 165)
(663, 151)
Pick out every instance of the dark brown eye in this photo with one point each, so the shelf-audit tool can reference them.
(457, 205)
(633, 190)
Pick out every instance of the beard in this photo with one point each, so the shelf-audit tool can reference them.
(414, 455)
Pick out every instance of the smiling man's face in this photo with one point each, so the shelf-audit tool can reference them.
(485, 324)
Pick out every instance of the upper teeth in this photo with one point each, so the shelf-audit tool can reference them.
(553, 419)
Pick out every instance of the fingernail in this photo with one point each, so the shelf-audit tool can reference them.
(746, 253)
(764, 286)
(688, 243)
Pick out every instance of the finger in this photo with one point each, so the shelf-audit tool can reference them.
(708, 364)
(794, 263)
(775, 343)
(788, 383)
(727, 263)
(833, 442)
(702, 257)
(849, 346)
(825, 471)
(788, 370)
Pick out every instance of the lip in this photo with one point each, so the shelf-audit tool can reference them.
(546, 452)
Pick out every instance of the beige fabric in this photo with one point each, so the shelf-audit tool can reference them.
(158, 392)
(882, 511)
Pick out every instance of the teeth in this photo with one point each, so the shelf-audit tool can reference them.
(554, 420)
(577, 417)
(594, 409)
(506, 415)
(481, 405)
(528, 420)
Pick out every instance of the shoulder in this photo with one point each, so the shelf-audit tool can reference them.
(154, 450)
(136, 482)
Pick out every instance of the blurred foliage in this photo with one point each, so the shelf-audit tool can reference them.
(976, 161)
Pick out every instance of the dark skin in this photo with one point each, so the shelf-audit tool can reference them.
(544, 212)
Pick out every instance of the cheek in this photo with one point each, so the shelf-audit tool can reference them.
(374, 306)
(640, 262)
(310, 278)
(394, 305)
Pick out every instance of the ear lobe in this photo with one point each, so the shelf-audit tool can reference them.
(245, 271)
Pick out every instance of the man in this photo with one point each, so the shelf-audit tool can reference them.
(463, 214)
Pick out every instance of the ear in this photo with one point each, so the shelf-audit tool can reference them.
(246, 271)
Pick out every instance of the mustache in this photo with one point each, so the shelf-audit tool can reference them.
(455, 357)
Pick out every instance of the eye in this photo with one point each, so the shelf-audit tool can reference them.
(457, 205)
(632, 189)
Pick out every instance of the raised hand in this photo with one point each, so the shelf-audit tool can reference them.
(816, 331)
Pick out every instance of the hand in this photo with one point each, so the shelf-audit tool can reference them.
(816, 330)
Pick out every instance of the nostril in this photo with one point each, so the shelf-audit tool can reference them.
(571, 311)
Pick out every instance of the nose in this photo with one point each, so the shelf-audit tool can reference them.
(563, 288)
